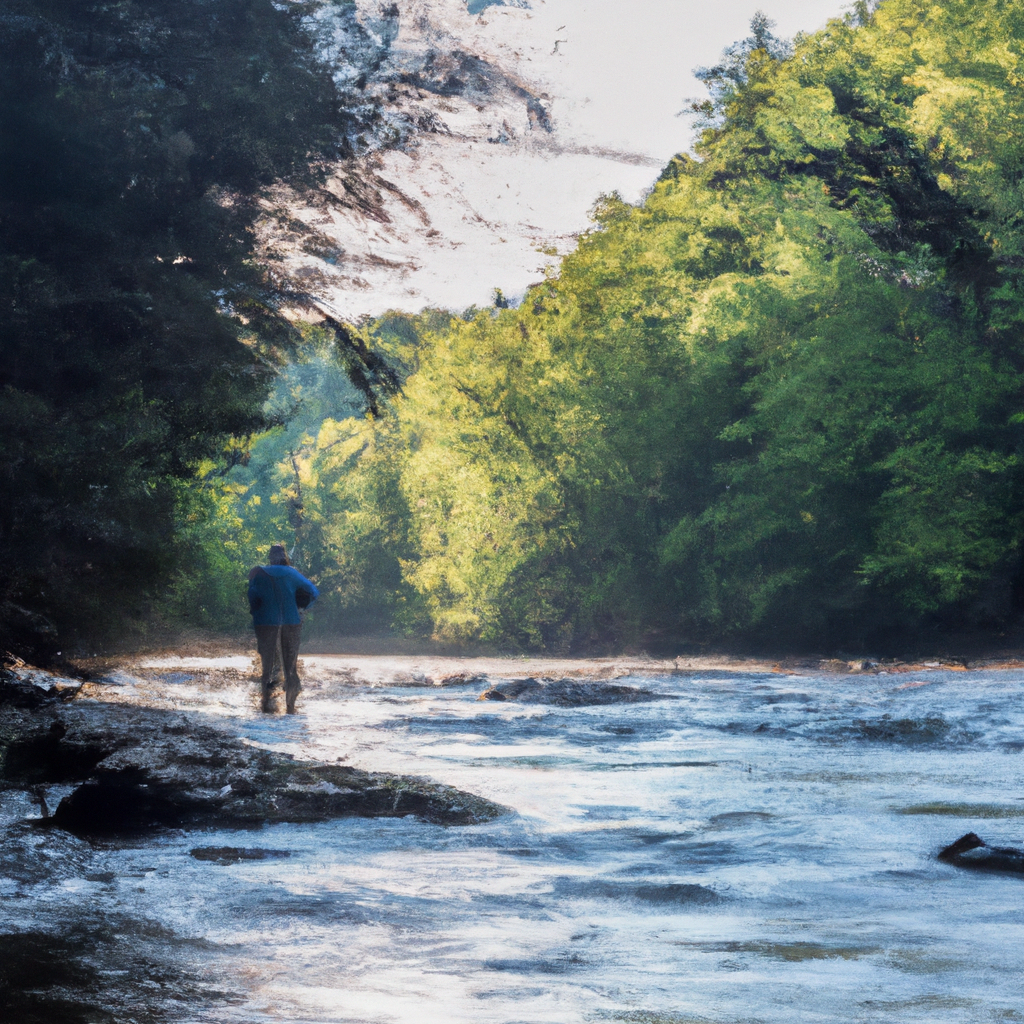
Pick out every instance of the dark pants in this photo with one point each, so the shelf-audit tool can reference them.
(270, 639)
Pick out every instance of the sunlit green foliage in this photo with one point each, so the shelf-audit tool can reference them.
(292, 484)
(780, 397)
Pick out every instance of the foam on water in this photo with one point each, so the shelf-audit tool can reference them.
(748, 848)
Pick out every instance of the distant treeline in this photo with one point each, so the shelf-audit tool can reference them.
(779, 399)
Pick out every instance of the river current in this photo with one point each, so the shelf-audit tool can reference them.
(756, 848)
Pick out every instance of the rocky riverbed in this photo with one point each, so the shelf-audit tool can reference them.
(82, 770)
(505, 839)
(135, 767)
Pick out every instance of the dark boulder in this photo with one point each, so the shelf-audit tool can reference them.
(234, 854)
(137, 768)
(493, 694)
(971, 851)
(569, 693)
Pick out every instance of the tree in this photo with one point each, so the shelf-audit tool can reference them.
(138, 333)
(780, 398)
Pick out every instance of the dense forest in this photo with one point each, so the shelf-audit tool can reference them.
(140, 334)
(780, 400)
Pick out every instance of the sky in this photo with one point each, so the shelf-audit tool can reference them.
(622, 72)
(486, 205)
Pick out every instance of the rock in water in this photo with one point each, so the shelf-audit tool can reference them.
(234, 854)
(971, 851)
(136, 768)
(569, 693)
(493, 694)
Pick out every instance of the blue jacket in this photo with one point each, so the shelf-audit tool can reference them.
(272, 590)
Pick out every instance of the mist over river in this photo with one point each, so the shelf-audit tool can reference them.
(728, 847)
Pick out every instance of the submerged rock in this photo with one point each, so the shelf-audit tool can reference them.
(910, 731)
(139, 767)
(569, 692)
(971, 851)
(652, 893)
(234, 854)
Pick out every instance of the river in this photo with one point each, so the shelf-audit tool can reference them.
(746, 847)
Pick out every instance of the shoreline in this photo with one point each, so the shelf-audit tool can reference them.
(376, 657)
(441, 669)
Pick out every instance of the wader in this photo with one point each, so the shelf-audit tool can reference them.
(268, 640)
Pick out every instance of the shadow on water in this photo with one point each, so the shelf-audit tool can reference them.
(668, 894)
(106, 970)
(34, 968)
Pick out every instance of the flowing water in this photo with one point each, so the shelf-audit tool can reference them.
(743, 848)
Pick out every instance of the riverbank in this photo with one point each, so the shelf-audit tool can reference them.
(115, 762)
(369, 662)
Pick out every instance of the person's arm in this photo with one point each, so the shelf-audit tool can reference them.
(255, 599)
(306, 592)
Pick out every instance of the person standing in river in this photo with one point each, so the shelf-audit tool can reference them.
(277, 592)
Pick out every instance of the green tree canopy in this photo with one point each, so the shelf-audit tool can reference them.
(138, 331)
(779, 398)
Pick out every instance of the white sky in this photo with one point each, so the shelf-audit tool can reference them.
(616, 81)
(623, 70)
